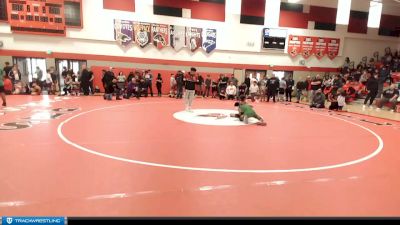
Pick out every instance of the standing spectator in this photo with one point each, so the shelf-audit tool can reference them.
(341, 99)
(316, 84)
(300, 87)
(48, 81)
(247, 82)
(389, 96)
(55, 79)
(222, 84)
(200, 85)
(337, 81)
(85, 80)
(263, 88)
(159, 82)
(231, 91)
(272, 85)
(179, 84)
(233, 80)
(91, 85)
(172, 84)
(149, 82)
(372, 88)
(289, 89)
(214, 89)
(39, 77)
(2, 91)
(7, 68)
(282, 88)
(207, 86)
(332, 98)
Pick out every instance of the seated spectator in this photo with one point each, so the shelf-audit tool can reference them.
(36, 89)
(318, 100)
(17, 88)
(389, 96)
(231, 91)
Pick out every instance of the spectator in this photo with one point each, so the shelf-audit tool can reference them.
(200, 85)
(341, 99)
(247, 82)
(372, 88)
(179, 84)
(389, 96)
(7, 68)
(316, 84)
(253, 90)
(234, 80)
(242, 90)
(85, 80)
(272, 85)
(318, 100)
(207, 86)
(332, 98)
(289, 89)
(159, 82)
(263, 88)
(231, 91)
(282, 88)
(300, 87)
(172, 84)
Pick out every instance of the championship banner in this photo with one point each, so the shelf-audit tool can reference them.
(333, 47)
(177, 37)
(160, 35)
(142, 33)
(123, 32)
(194, 38)
(294, 45)
(321, 47)
(307, 47)
(210, 40)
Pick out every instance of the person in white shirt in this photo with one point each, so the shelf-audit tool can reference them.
(282, 88)
(49, 81)
(172, 84)
(231, 91)
(341, 100)
(253, 90)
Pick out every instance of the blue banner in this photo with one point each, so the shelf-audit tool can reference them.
(33, 220)
(210, 40)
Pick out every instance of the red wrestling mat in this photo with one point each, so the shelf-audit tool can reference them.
(83, 156)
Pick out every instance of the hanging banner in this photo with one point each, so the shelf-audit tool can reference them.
(333, 47)
(123, 32)
(160, 35)
(210, 40)
(307, 47)
(177, 37)
(321, 47)
(294, 45)
(194, 38)
(142, 33)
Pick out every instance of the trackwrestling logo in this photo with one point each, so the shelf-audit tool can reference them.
(34, 220)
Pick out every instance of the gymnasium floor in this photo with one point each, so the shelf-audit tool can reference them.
(83, 156)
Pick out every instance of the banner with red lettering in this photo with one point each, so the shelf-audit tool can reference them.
(321, 47)
(294, 46)
(307, 47)
(333, 47)
(318, 46)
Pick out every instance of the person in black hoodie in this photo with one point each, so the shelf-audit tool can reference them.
(179, 84)
(85, 80)
(289, 89)
(272, 86)
(372, 88)
(247, 81)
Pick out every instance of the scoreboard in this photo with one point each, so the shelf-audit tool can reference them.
(37, 16)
